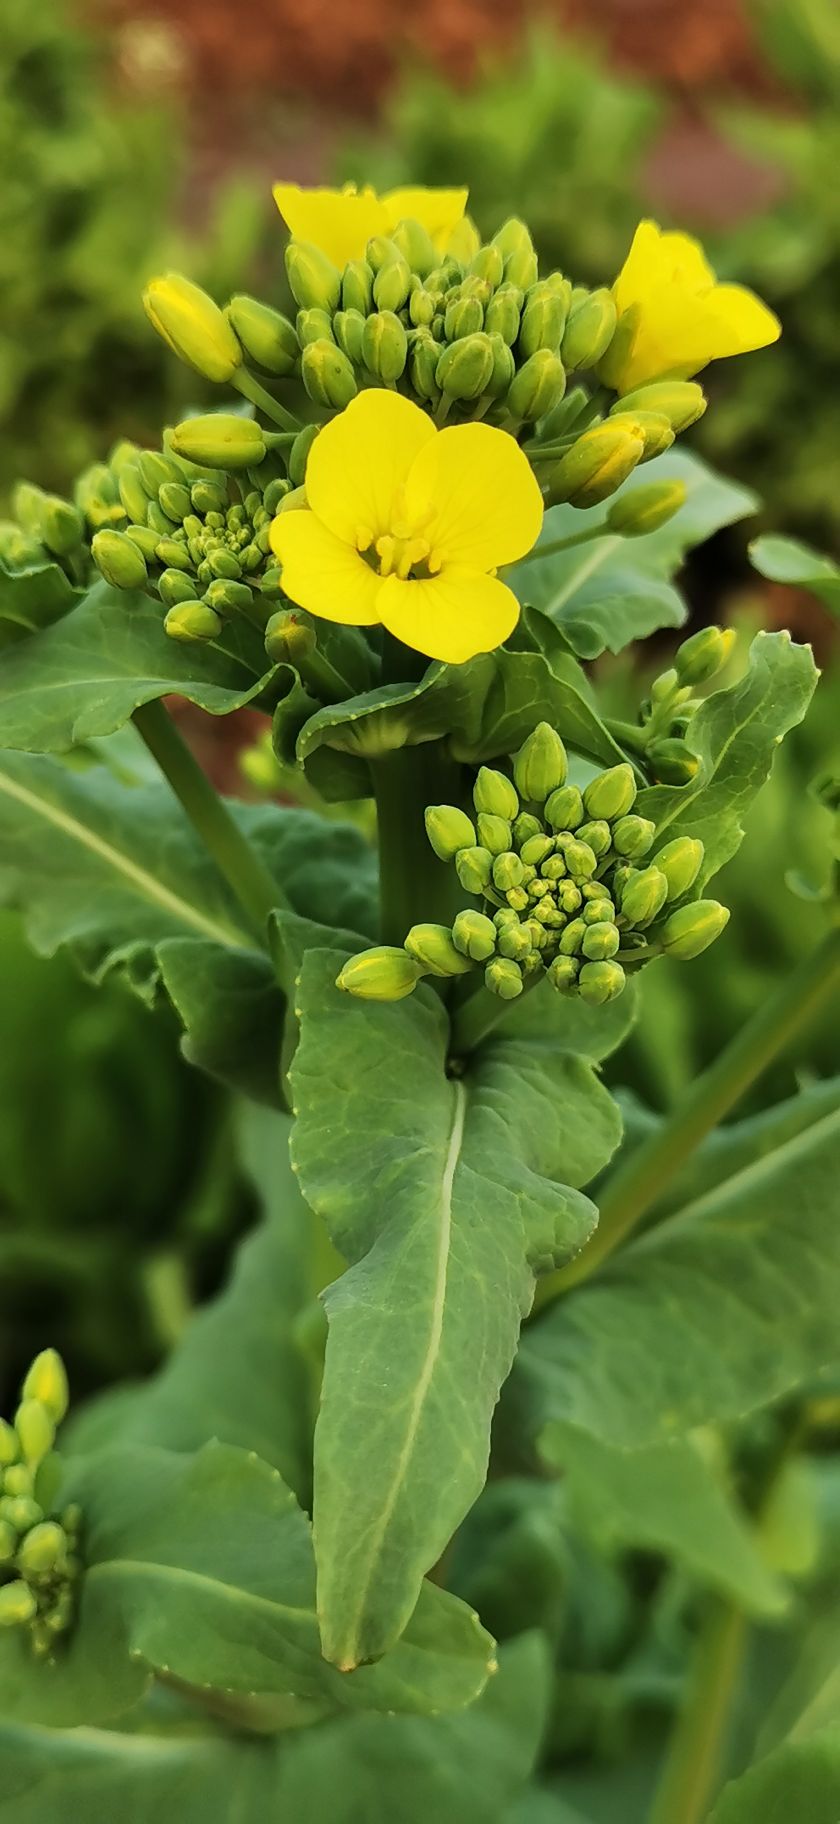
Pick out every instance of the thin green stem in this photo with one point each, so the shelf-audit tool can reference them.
(628, 734)
(632, 1190)
(251, 390)
(695, 1753)
(248, 878)
(479, 1014)
(564, 544)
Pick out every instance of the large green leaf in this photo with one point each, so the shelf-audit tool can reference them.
(445, 1195)
(199, 1570)
(717, 1311)
(609, 592)
(799, 1784)
(735, 735)
(86, 674)
(485, 708)
(669, 1499)
(31, 598)
(786, 560)
(458, 1769)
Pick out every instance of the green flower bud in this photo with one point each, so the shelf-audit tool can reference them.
(653, 427)
(503, 977)
(193, 326)
(314, 326)
(632, 837)
(172, 553)
(223, 563)
(589, 331)
(175, 586)
(175, 500)
(563, 974)
(267, 337)
(380, 251)
(18, 1480)
(474, 867)
(597, 464)
(449, 830)
(543, 321)
(36, 1430)
(20, 1511)
(424, 358)
(465, 368)
(474, 935)
(569, 897)
(666, 685)
(18, 1604)
(119, 560)
(357, 287)
(564, 808)
(327, 374)
(508, 871)
(9, 1444)
(133, 494)
(512, 237)
(581, 861)
(680, 861)
(349, 332)
(671, 762)
(571, 939)
(8, 1542)
(416, 246)
(494, 833)
(503, 314)
(612, 793)
(43, 1549)
(46, 1381)
(554, 868)
(700, 657)
(538, 386)
(541, 764)
(385, 346)
(464, 317)
(226, 596)
(535, 849)
(432, 946)
(383, 974)
(524, 827)
(521, 268)
(643, 897)
(156, 518)
(421, 308)
(517, 897)
(597, 835)
(155, 470)
(504, 368)
(691, 929)
(314, 280)
(192, 620)
(600, 982)
(646, 508)
(494, 793)
(598, 908)
(515, 942)
(299, 455)
(601, 940)
(220, 440)
(680, 401)
(54, 521)
(290, 637)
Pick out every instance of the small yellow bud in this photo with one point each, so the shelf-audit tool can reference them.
(691, 929)
(589, 331)
(267, 337)
(46, 1381)
(193, 326)
(597, 464)
(382, 974)
(220, 440)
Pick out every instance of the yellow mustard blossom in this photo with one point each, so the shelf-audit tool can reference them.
(341, 222)
(405, 526)
(685, 318)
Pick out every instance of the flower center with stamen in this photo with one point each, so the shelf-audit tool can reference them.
(404, 550)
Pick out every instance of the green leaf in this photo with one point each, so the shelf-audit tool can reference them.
(718, 1311)
(666, 1498)
(32, 598)
(85, 675)
(199, 1570)
(492, 702)
(735, 735)
(800, 1782)
(547, 1019)
(458, 1769)
(239, 1373)
(786, 560)
(612, 591)
(739, 1143)
(444, 1195)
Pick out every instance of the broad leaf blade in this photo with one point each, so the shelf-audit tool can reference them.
(786, 560)
(801, 1781)
(443, 1195)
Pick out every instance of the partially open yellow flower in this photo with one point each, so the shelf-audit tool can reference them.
(684, 318)
(406, 524)
(341, 222)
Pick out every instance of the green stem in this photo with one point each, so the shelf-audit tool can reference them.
(251, 390)
(628, 734)
(632, 1190)
(236, 860)
(692, 1768)
(414, 886)
(564, 544)
(479, 1014)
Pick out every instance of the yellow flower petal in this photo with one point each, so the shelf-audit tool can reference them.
(686, 319)
(745, 322)
(488, 507)
(340, 222)
(636, 275)
(438, 211)
(360, 458)
(452, 616)
(322, 573)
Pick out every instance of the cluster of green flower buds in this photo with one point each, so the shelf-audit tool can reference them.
(569, 885)
(44, 529)
(39, 1562)
(190, 524)
(668, 710)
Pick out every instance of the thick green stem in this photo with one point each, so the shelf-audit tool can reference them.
(632, 1190)
(257, 395)
(414, 887)
(691, 1775)
(479, 1013)
(248, 878)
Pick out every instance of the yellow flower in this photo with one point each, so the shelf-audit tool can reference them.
(341, 222)
(405, 525)
(684, 317)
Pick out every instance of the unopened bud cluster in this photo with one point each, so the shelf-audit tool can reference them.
(568, 885)
(666, 714)
(44, 529)
(39, 1563)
